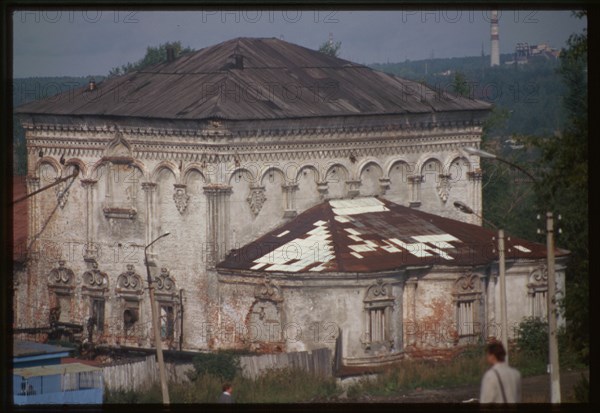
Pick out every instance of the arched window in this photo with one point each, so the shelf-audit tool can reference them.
(467, 297)
(379, 304)
(537, 290)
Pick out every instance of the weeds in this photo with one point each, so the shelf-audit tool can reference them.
(275, 386)
(465, 369)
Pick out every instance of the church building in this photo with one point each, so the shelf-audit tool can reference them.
(308, 201)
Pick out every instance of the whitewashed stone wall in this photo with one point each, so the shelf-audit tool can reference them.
(212, 190)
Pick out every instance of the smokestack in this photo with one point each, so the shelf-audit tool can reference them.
(495, 50)
(170, 53)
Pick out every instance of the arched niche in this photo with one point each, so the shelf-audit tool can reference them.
(369, 179)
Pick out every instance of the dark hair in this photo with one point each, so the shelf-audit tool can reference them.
(226, 386)
(497, 349)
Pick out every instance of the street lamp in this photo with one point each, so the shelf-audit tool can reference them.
(502, 269)
(552, 322)
(155, 326)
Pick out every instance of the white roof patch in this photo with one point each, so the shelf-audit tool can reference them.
(300, 253)
(522, 248)
(357, 206)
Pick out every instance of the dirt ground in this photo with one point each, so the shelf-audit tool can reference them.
(535, 389)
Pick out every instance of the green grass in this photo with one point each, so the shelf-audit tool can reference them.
(465, 369)
(295, 386)
(275, 386)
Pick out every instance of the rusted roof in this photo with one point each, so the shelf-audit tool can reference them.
(370, 234)
(278, 80)
(55, 369)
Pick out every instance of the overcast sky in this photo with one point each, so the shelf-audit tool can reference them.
(81, 43)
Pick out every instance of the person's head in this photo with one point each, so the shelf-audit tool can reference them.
(227, 387)
(495, 352)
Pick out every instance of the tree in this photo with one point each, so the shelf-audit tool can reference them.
(564, 187)
(330, 48)
(460, 85)
(154, 55)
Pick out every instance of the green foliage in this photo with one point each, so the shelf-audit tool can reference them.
(582, 390)
(152, 395)
(331, 49)
(153, 56)
(533, 337)
(465, 369)
(36, 88)
(222, 364)
(285, 386)
(531, 94)
(460, 85)
(275, 386)
(564, 189)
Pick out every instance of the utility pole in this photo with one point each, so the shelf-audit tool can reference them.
(552, 315)
(462, 207)
(502, 268)
(156, 327)
(553, 340)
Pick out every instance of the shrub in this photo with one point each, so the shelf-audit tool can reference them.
(222, 364)
(533, 337)
(582, 390)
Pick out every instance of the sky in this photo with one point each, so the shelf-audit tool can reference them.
(88, 42)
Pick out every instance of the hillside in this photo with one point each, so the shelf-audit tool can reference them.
(531, 93)
(33, 88)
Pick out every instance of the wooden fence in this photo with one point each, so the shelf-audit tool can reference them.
(141, 374)
(317, 362)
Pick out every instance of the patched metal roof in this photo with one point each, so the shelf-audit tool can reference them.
(370, 235)
(278, 80)
(54, 369)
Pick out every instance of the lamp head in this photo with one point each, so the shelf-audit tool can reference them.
(463, 207)
(478, 152)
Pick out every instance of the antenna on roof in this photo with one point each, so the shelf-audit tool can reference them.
(238, 58)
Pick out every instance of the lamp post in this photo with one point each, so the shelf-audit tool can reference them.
(155, 326)
(502, 270)
(552, 322)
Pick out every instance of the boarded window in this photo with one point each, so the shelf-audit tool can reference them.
(468, 300)
(466, 318)
(167, 321)
(539, 307)
(64, 302)
(97, 313)
(377, 329)
(378, 303)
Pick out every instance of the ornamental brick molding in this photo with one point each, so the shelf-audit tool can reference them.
(61, 276)
(444, 186)
(164, 282)
(268, 291)
(130, 281)
(95, 279)
(181, 197)
(62, 194)
(256, 199)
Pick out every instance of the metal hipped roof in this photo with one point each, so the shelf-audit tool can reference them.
(279, 80)
(370, 235)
